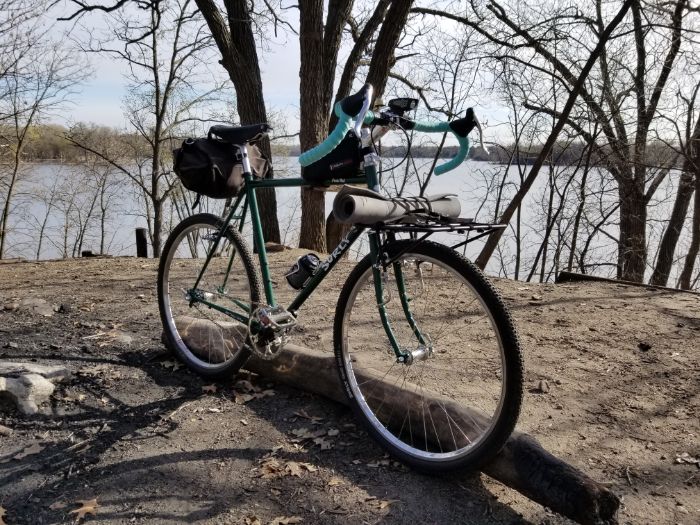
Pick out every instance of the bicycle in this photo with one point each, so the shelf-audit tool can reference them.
(434, 373)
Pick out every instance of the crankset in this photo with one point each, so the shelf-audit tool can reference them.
(272, 331)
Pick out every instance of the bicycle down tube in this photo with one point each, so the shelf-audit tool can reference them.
(249, 201)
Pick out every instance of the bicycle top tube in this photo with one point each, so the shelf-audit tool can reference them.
(353, 112)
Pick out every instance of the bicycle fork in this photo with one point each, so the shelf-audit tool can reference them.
(403, 355)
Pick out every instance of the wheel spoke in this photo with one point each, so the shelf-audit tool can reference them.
(203, 335)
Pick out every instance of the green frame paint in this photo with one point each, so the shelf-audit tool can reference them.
(249, 202)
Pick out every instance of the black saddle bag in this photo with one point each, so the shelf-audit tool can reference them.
(341, 163)
(213, 167)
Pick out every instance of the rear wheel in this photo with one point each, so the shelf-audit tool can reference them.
(207, 340)
(455, 400)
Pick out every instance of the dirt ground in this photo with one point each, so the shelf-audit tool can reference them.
(612, 381)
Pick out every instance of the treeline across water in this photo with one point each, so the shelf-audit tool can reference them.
(50, 142)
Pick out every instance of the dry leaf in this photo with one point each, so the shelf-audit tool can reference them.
(271, 468)
(244, 385)
(245, 391)
(308, 467)
(335, 481)
(252, 520)
(305, 415)
(29, 451)
(209, 389)
(323, 443)
(2, 515)
(307, 433)
(293, 468)
(383, 504)
(286, 520)
(58, 505)
(171, 364)
(88, 506)
(242, 399)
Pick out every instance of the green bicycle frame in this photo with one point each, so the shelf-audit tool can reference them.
(250, 203)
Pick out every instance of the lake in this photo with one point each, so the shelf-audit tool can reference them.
(57, 198)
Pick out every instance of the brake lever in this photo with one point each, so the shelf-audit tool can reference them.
(365, 107)
(481, 134)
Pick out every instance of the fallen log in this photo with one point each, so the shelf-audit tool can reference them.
(523, 464)
(573, 277)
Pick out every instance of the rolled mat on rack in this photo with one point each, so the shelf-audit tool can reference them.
(364, 206)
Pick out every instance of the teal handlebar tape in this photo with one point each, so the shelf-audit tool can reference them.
(324, 148)
(441, 127)
(431, 127)
(336, 137)
(345, 124)
(458, 159)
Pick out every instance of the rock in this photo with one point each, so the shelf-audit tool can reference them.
(644, 346)
(65, 308)
(11, 344)
(122, 337)
(16, 369)
(28, 384)
(5, 431)
(10, 307)
(273, 247)
(37, 306)
(27, 391)
(543, 387)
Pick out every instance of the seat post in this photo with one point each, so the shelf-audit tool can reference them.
(243, 152)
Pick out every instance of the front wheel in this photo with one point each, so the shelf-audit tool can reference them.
(452, 397)
(205, 305)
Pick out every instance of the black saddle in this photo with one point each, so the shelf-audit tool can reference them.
(240, 134)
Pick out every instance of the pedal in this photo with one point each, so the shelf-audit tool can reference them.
(276, 318)
(274, 324)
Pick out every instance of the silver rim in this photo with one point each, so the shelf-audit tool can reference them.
(440, 366)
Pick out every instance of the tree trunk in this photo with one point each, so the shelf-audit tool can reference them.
(353, 61)
(684, 281)
(8, 200)
(157, 226)
(313, 119)
(335, 232)
(632, 248)
(240, 59)
(383, 57)
(251, 104)
(686, 186)
(667, 248)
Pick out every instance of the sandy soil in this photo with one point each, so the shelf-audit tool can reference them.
(612, 381)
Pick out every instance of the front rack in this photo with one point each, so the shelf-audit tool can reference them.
(428, 223)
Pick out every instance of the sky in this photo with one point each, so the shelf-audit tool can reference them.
(100, 100)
